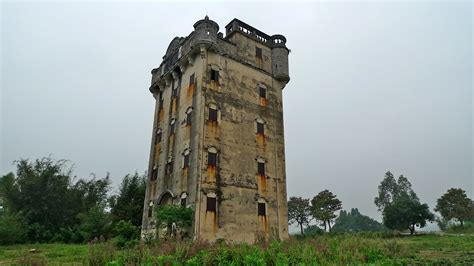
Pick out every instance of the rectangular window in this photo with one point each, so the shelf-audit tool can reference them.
(262, 92)
(154, 174)
(261, 209)
(186, 161)
(212, 115)
(169, 167)
(214, 75)
(183, 202)
(258, 52)
(172, 129)
(211, 204)
(191, 79)
(150, 211)
(261, 169)
(211, 159)
(260, 128)
(158, 138)
(161, 100)
(188, 118)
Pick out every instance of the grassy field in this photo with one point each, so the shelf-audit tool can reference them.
(328, 249)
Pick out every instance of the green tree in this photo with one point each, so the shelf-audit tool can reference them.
(127, 205)
(167, 215)
(299, 212)
(455, 204)
(95, 223)
(44, 193)
(406, 213)
(324, 207)
(400, 206)
(354, 221)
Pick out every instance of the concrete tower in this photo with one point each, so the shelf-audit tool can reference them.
(218, 142)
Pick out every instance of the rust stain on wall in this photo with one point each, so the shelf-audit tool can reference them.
(262, 184)
(212, 219)
(190, 91)
(263, 101)
(214, 85)
(160, 115)
(261, 141)
(173, 105)
(212, 128)
(211, 173)
(157, 152)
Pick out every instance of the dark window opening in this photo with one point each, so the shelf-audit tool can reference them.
(158, 137)
(150, 211)
(171, 129)
(261, 209)
(258, 52)
(261, 169)
(211, 204)
(260, 128)
(183, 202)
(186, 160)
(169, 167)
(211, 159)
(262, 92)
(191, 79)
(212, 115)
(214, 75)
(188, 118)
(161, 100)
(154, 174)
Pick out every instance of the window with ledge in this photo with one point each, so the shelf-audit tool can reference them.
(189, 112)
(262, 92)
(186, 155)
(215, 75)
(258, 52)
(261, 209)
(212, 157)
(212, 114)
(150, 209)
(184, 195)
(172, 126)
(260, 128)
(154, 173)
(169, 167)
(211, 203)
(158, 136)
(261, 168)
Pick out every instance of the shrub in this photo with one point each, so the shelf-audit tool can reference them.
(13, 229)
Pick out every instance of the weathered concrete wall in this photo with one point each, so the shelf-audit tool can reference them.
(234, 182)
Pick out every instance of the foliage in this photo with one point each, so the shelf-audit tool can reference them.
(95, 223)
(405, 213)
(324, 207)
(347, 249)
(467, 228)
(299, 212)
(43, 192)
(354, 221)
(313, 230)
(167, 215)
(400, 206)
(390, 189)
(13, 228)
(128, 203)
(455, 204)
(126, 234)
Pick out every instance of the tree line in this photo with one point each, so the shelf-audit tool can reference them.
(397, 201)
(43, 202)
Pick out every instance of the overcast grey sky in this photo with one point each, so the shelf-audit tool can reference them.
(374, 87)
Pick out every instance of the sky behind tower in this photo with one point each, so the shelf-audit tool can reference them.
(374, 87)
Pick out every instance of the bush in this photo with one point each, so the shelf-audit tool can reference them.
(13, 229)
(126, 234)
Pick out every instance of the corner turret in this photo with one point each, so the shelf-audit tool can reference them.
(280, 58)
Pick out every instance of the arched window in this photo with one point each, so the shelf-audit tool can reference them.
(211, 203)
(212, 157)
(172, 126)
(184, 195)
(213, 114)
(186, 155)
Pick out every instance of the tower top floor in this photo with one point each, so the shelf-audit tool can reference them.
(242, 43)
